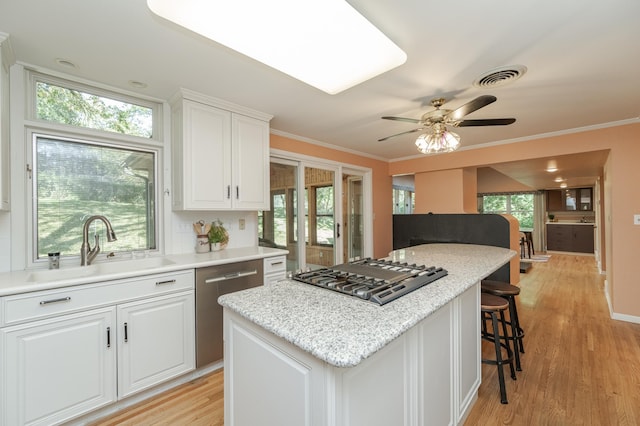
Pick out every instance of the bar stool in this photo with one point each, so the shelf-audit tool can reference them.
(491, 307)
(509, 292)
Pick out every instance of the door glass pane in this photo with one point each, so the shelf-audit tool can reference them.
(277, 227)
(320, 221)
(353, 221)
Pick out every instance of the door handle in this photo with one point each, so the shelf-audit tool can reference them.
(108, 337)
(126, 332)
(228, 191)
(338, 233)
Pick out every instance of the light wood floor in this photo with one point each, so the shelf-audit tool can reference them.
(580, 366)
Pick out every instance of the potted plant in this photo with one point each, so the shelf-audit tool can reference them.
(218, 235)
(551, 217)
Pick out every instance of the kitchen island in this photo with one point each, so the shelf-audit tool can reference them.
(297, 355)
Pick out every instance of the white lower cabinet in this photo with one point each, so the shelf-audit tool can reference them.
(156, 341)
(427, 376)
(275, 269)
(53, 370)
(60, 367)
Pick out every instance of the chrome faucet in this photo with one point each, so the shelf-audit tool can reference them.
(88, 254)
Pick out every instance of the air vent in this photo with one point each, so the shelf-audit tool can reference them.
(500, 76)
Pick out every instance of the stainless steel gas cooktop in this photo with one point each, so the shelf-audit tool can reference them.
(378, 281)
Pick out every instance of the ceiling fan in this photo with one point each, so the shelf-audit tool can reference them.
(436, 121)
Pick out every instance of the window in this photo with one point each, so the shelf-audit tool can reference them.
(403, 201)
(520, 206)
(78, 174)
(78, 108)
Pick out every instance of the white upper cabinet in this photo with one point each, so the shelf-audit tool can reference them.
(6, 59)
(220, 155)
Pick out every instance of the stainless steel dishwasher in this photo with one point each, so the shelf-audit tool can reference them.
(211, 283)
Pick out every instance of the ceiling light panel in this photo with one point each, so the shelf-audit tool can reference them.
(324, 43)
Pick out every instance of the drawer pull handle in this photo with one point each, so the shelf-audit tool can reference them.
(165, 282)
(277, 263)
(126, 332)
(108, 337)
(48, 302)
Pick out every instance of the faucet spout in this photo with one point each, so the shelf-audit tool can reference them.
(87, 254)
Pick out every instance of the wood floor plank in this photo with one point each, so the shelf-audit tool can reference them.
(580, 366)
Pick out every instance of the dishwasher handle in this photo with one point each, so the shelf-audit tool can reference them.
(231, 276)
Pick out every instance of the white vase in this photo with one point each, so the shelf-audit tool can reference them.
(215, 247)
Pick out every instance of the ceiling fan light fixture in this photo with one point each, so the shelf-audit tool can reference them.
(437, 142)
(327, 44)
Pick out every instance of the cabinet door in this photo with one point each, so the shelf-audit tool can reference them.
(206, 157)
(156, 339)
(583, 239)
(250, 163)
(58, 369)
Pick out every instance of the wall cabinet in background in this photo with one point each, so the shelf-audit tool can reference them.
(574, 199)
(220, 155)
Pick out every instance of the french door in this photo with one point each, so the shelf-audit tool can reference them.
(317, 213)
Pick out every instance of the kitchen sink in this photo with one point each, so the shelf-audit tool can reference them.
(109, 267)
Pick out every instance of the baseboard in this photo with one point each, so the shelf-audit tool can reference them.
(626, 318)
(616, 316)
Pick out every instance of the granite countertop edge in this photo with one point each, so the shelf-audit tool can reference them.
(343, 330)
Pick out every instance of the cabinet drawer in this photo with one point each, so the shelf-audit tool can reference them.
(275, 264)
(43, 304)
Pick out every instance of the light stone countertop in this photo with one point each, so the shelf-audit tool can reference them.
(343, 330)
(25, 281)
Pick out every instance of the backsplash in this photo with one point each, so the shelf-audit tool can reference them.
(590, 216)
(183, 238)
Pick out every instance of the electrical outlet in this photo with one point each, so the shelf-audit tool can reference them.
(241, 224)
(636, 219)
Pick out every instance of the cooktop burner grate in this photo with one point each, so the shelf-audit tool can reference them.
(378, 281)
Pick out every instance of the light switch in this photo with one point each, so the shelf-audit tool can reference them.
(241, 224)
(636, 219)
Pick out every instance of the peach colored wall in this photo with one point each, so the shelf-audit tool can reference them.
(440, 192)
(381, 182)
(621, 194)
(470, 190)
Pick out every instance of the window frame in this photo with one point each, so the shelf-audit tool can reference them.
(35, 127)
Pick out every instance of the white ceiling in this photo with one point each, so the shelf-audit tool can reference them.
(582, 56)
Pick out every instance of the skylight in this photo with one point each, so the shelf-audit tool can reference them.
(324, 43)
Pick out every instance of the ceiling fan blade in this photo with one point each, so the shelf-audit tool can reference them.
(469, 107)
(487, 122)
(399, 134)
(408, 120)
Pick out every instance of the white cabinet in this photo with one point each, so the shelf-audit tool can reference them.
(428, 375)
(220, 155)
(275, 269)
(54, 370)
(156, 341)
(68, 351)
(6, 59)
